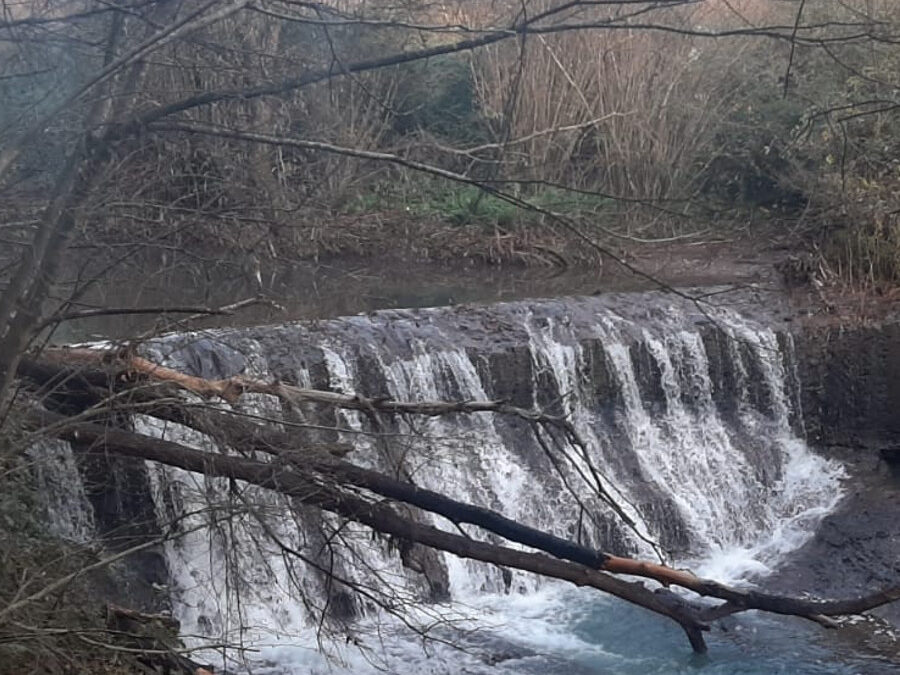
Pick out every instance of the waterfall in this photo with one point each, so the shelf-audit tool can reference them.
(687, 420)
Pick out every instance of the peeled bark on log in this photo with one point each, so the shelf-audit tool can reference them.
(231, 389)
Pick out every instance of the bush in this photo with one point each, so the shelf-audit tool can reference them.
(438, 96)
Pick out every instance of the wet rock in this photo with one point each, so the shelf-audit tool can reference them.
(856, 549)
(891, 454)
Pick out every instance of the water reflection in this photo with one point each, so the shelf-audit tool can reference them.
(318, 290)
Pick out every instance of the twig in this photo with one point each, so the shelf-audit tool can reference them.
(123, 311)
(790, 63)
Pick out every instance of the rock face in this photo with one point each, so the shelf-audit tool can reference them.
(851, 384)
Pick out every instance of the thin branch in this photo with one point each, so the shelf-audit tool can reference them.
(528, 27)
(787, 72)
(126, 311)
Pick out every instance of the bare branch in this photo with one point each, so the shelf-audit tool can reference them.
(291, 479)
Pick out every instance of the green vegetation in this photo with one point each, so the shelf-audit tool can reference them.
(468, 204)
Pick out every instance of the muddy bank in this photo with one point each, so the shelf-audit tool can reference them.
(325, 235)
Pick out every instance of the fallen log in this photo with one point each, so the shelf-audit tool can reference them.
(319, 484)
(131, 367)
(242, 434)
(321, 459)
(122, 365)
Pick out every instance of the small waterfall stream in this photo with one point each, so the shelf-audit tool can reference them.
(688, 421)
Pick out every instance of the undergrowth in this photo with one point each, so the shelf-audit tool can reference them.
(469, 204)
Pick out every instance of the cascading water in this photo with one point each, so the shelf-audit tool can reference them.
(684, 419)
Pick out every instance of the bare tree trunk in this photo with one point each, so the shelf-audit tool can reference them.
(269, 36)
(22, 304)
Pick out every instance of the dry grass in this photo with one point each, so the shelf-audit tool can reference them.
(642, 115)
(648, 107)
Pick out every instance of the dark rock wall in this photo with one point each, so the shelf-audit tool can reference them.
(850, 384)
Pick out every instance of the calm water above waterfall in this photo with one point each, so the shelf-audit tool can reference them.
(688, 420)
